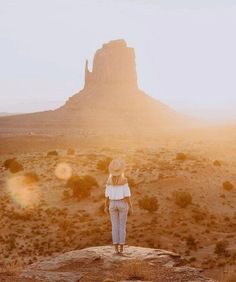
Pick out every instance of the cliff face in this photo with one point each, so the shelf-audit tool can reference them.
(112, 82)
(114, 65)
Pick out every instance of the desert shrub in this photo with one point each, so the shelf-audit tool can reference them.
(228, 185)
(136, 270)
(217, 163)
(90, 180)
(182, 198)
(131, 182)
(181, 157)
(8, 162)
(64, 225)
(161, 176)
(31, 177)
(12, 242)
(221, 247)
(52, 153)
(20, 216)
(103, 164)
(191, 242)
(226, 218)
(66, 195)
(70, 151)
(80, 191)
(148, 203)
(71, 182)
(16, 167)
(13, 165)
(101, 208)
(80, 185)
(198, 215)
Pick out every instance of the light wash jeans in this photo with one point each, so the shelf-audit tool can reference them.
(118, 212)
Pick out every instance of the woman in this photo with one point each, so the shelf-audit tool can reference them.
(117, 201)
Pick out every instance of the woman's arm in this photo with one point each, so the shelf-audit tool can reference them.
(128, 200)
(106, 205)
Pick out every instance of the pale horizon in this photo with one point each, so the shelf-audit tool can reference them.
(185, 54)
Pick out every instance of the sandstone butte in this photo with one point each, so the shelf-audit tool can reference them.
(110, 102)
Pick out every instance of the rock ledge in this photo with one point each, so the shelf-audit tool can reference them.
(99, 263)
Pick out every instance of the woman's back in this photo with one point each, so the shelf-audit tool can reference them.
(117, 192)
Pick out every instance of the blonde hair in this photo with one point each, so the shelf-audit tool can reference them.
(116, 179)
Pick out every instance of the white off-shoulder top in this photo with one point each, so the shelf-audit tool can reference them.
(117, 192)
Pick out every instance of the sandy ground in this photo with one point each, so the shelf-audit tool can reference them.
(42, 218)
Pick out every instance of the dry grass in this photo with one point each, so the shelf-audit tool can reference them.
(10, 270)
(229, 275)
(136, 270)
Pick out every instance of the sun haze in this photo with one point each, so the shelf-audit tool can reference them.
(117, 140)
(185, 52)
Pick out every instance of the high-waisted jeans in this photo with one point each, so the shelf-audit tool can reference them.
(118, 212)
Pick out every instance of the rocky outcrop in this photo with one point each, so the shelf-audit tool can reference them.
(113, 64)
(100, 263)
(110, 102)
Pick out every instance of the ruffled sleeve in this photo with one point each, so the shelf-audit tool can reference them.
(107, 191)
(126, 190)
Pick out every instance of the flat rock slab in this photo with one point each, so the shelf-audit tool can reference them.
(55, 276)
(74, 265)
(140, 253)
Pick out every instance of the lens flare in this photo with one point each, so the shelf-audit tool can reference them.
(22, 192)
(63, 171)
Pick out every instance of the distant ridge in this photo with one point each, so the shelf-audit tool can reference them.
(8, 114)
(110, 102)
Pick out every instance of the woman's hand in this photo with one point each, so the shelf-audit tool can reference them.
(106, 211)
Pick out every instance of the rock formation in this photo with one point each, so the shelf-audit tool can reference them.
(99, 263)
(110, 102)
(114, 65)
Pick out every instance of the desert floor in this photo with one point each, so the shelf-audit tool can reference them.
(41, 217)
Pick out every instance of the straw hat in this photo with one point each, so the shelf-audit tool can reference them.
(116, 167)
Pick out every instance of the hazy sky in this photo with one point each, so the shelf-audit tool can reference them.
(185, 51)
